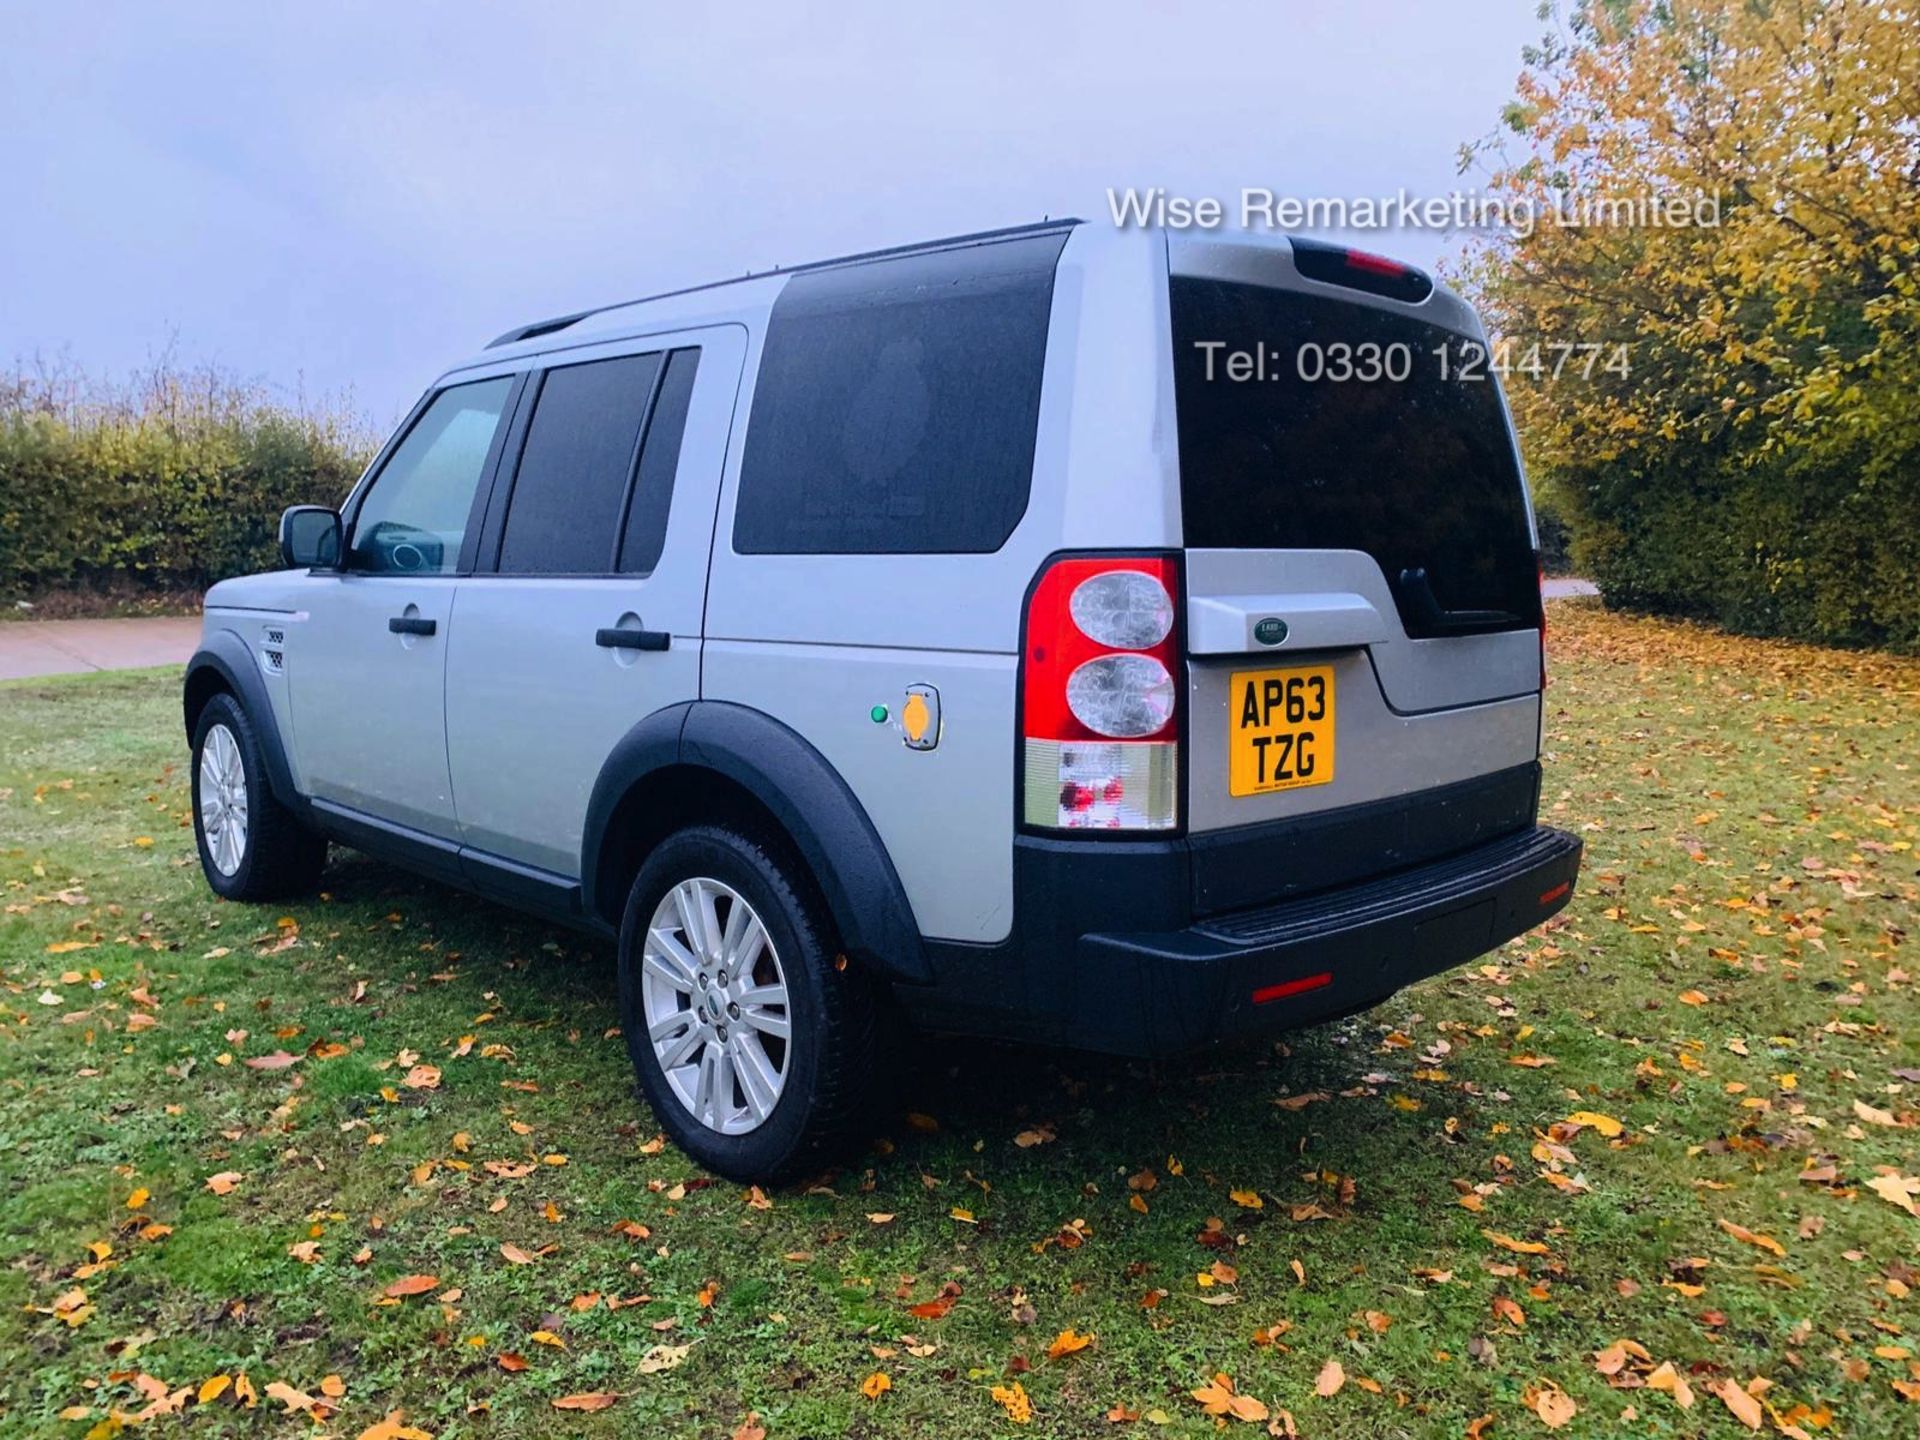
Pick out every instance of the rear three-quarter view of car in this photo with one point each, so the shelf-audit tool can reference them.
(1116, 641)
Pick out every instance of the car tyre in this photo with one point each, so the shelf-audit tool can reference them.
(251, 846)
(751, 1089)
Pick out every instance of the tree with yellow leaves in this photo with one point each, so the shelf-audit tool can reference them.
(1759, 461)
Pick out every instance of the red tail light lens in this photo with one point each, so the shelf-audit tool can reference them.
(1100, 685)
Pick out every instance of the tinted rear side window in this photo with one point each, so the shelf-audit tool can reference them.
(571, 488)
(896, 404)
(646, 532)
(1415, 466)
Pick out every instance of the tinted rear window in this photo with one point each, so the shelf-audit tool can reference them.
(1413, 466)
(896, 404)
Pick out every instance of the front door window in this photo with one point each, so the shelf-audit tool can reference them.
(417, 512)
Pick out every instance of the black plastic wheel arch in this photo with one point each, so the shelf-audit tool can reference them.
(225, 655)
(802, 790)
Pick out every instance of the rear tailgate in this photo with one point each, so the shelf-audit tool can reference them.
(1363, 605)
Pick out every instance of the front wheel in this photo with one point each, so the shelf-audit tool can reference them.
(251, 846)
(753, 1041)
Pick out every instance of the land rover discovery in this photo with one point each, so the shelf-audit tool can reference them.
(1120, 641)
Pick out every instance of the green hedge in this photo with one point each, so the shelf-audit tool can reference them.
(171, 493)
(1556, 539)
(1812, 545)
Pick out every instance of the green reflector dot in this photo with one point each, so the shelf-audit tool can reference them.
(878, 714)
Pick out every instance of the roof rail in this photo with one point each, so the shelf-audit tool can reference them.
(952, 242)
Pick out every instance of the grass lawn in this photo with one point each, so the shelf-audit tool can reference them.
(227, 1133)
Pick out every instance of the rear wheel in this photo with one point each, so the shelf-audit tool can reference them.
(752, 1040)
(251, 846)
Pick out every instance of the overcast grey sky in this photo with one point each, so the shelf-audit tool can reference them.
(351, 196)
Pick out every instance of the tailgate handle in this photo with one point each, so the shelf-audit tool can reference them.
(1228, 624)
(1416, 593)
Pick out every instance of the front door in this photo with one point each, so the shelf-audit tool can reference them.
(366, 660)
(585, 612)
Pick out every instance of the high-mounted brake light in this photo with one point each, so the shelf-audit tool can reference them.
(1375, 264)
(1359, 270)
(1100, 685)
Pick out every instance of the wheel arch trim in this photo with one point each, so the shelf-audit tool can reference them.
(804, 793)
(224, 655)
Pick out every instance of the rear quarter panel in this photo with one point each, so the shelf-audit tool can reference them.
(945, 815)
(817, 640)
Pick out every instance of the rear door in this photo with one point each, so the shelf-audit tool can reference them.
(584, 612)
(1364, 612)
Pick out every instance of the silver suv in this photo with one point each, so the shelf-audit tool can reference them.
(1122, 641)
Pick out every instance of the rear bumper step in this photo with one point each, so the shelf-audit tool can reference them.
(1328, 954)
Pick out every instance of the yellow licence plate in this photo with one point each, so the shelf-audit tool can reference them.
(1279, 729)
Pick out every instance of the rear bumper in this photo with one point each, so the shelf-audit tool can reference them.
(1290, 964)
(1109, 952)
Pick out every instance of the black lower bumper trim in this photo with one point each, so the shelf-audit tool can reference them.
(1164, 992)
(1407, 890)
(1278, 859)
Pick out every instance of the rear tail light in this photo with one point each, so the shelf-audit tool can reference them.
(1100, 687)
(1127, 609)
(1125, 696)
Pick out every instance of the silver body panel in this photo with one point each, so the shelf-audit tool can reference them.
(945, 814)
(368, 706)
(1410, 714)
(256, 608)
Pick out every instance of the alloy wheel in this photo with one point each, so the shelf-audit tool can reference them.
(714, 997)
(223, 799)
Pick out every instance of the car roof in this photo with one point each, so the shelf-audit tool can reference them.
(557, 323)
(746, 298)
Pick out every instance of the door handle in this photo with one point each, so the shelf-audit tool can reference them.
(615, 639)
(410, 625)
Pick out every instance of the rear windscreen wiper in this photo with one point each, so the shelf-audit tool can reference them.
(1415, 592)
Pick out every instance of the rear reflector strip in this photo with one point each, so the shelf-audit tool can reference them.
(1556, 892)
(1266, 994)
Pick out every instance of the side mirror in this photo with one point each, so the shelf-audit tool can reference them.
(310, 537)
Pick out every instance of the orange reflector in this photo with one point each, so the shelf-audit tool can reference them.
(1556, 892)
(1285, 988)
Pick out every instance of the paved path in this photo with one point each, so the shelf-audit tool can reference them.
(1561, 589)
(70, 647)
